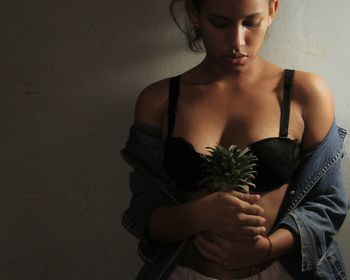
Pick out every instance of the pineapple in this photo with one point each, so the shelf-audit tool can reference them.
(228, 169)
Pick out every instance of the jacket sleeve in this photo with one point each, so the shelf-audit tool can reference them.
(145, 198)
(150, 188)
(319, 216)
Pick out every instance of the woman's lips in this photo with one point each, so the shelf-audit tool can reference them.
(237, 60)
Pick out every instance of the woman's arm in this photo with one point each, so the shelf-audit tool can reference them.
(315, 99)
(226, 214)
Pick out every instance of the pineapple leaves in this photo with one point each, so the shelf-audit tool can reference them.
(227, 169)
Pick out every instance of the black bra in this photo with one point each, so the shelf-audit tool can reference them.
(278, 157)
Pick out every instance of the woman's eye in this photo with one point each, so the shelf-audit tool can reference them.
(220, 24)
(252, 24)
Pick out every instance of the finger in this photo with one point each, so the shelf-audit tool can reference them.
(206, 254)
(252, 231)
(250, 209)
(244, 239)
(251, 220)
(236, 237)
(210, 248)
(250, 198)
(223, 242)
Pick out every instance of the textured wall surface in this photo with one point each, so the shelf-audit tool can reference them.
(70, 72)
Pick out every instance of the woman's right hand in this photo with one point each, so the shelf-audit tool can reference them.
(233, 215)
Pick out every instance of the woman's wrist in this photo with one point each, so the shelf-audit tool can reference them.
(268, 254)
(197, 215)
(264, 249)
(176, 222)
(283, 241)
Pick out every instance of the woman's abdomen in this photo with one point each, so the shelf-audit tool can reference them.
(270, 202)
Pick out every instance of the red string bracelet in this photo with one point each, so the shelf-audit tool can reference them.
(269, 252)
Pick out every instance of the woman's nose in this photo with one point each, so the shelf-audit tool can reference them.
(236, 37)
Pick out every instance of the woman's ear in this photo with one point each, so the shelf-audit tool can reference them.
(273, 10)
(192, 13)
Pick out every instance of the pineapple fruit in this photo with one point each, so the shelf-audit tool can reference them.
(227, 169)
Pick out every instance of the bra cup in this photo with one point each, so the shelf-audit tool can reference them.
(278, 159)
(182, 163)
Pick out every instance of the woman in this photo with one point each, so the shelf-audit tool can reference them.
(284, 229)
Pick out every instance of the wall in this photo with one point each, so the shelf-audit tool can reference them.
(70, 72)
(317, 41)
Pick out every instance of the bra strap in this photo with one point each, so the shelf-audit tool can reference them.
(174, 87)
(287, 97)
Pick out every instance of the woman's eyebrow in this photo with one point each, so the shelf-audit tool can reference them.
(229, 18)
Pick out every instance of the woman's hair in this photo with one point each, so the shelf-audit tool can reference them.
(193, 36)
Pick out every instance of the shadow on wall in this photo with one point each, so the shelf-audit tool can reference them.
(70, 75)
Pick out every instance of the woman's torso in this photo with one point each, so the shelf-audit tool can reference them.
(212, 113)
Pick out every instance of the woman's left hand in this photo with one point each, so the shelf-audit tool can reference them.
(233, 254)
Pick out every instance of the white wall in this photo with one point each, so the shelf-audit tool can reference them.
(70, 72)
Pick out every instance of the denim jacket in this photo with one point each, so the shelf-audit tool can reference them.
(314, 207)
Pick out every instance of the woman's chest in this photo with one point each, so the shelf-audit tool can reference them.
(228, 121)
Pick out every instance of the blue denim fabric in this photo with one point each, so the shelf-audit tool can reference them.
(314, 207)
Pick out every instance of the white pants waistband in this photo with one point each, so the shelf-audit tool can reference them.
(273, 272)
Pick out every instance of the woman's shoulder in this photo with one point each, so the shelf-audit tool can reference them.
(312, 92)
(151, 105)
(309, 86)
(315, 99)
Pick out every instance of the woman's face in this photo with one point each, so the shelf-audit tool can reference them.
(233, 31)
